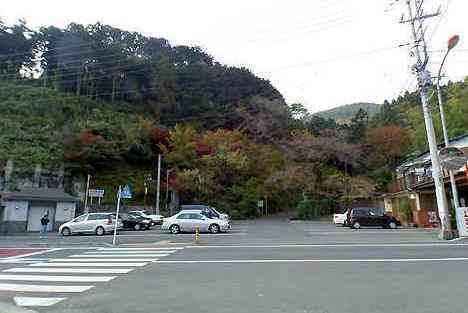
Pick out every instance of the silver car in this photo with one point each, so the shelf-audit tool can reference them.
(94, 223)
(189, 220)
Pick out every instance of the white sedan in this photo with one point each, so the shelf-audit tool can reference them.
(340, 218)
(190, 220)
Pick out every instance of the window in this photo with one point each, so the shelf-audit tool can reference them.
(196, 216)
(81, 218)
(184, 216)
(96, 217)
(376, 212)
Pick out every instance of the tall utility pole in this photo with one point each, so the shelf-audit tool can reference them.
(451, 44)
(416, 20)
(86, 209)
(158, 186)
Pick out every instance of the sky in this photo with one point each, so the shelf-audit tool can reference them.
(321, 53)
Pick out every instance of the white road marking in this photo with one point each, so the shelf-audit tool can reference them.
(36, 301)
(33, 253)
(96, 264)
(70, 270)
(43, 288)
(58, 278)
(22, 261)
(142, 249)
(384, 245)
(101, 260)
(317, 261)
(120, 255)
(129, 252)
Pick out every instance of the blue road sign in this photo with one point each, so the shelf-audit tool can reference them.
(126, 192)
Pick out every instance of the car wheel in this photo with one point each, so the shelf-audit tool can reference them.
(100, 231)
(356, 225)
(175, 229)
(344, 224)
(137, 227)
(392, 225)
(214, 229)
(66, 231)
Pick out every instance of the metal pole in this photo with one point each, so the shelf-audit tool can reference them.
(86, 195)
(453, 183)
(116, 216)
(167, 190)
(424, 82)
(158, 187)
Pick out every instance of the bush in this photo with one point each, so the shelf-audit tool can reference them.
(311, 209)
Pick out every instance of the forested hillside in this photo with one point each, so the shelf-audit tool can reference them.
(106, 102)
(344, 113)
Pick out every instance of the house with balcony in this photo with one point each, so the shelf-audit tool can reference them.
(411, 195)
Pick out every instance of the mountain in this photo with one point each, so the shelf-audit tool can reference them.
(343, 114)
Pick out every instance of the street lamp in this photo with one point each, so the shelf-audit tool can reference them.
(167, 190)
(453, 41)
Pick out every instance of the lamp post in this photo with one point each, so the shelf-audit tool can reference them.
(453, 41)
(167, 190)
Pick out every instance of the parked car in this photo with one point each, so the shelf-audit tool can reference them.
(359, 217)
(341, 218)
(135, 222)
(206, 210)
(157, 219)
(97, 223)
(189, 220)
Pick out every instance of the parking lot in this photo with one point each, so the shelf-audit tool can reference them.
(268, 265)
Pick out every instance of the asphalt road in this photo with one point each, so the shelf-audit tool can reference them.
(262, 266)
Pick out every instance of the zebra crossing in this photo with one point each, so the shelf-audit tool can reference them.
(59, 277)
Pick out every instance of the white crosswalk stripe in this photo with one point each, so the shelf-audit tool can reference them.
(129, 252)
(143, 249)
(96, 264)
(43, 288)
(104, 261)
(76, 279)
(119, 255)
(69, 270)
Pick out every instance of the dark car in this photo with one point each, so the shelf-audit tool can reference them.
(131, 221)
(359, 217)
(206, 210)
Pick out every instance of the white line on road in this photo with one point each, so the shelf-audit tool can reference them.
(384, 245)
(129, 252)
(142, 249)
(76, 279)
(70, 270)
(87, 264)
(316, 261)
(102, 260)
(33, 253)
(42, 288)
(120, 255)
(36, 301)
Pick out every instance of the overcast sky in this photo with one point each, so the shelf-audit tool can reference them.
(323, 53)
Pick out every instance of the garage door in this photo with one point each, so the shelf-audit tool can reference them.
(36, 212)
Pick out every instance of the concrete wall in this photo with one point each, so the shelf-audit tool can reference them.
(16, 211)
(65, 211)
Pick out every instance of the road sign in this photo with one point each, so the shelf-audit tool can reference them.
(126, 192)
(452, 158)
(96, 193)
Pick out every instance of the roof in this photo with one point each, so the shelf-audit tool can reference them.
(460, 142)
(39, 194)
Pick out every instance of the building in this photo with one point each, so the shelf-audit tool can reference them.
(412, 193)
(22, 210)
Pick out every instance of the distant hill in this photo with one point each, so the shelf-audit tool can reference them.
(345, 113)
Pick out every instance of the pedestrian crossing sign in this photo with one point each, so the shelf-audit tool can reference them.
(126, 192)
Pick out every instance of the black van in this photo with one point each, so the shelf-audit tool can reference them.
(359, 217)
